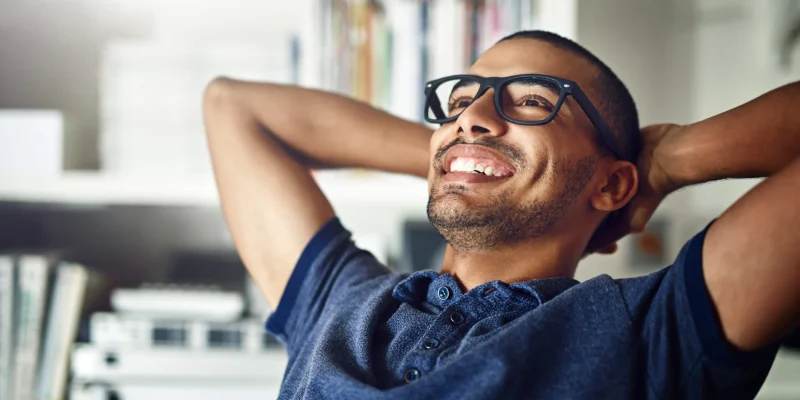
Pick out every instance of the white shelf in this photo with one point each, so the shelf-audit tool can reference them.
(92, 188)
(343, 188)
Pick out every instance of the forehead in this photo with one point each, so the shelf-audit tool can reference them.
(529, 56)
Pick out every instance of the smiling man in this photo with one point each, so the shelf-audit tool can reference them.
(538, 160)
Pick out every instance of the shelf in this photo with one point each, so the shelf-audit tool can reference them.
(343, 188)
(93, 188)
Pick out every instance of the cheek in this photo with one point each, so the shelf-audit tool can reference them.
(441, 134)
(440, 138)
(574, 143)
(542, 182)
(535, 192)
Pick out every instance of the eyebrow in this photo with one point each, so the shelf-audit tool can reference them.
(461, 84)
(537, 82)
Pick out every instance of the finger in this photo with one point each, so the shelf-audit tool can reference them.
(641, 216)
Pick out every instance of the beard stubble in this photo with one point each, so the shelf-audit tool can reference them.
(501, 221)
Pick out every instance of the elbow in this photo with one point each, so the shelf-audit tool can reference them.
(219, 94)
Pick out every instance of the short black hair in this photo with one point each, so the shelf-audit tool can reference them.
(616, 106)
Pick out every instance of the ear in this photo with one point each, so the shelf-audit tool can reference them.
(617, 188)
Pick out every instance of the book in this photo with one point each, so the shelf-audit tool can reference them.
(32, 279)
(64, 314)
(6, 324)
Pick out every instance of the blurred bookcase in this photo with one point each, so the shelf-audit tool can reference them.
(151, 143)
(383, 52)
(154, 162)
(151, 138)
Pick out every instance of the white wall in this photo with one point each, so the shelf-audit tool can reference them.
(684, 61)
(736, 60)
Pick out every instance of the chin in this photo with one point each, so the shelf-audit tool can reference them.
(464, 225)
(453, 206)
(446, 195)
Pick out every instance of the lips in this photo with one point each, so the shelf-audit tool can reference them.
(475, 159)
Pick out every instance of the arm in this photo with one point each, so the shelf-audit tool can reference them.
(263, 137)
(751, 254)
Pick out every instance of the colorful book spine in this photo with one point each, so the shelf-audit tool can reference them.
(383, 51)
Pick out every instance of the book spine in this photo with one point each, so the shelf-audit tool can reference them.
(6, 324)
(31, 299)
(424, 11)
(65, 310)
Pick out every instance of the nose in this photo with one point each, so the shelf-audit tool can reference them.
(481, 118)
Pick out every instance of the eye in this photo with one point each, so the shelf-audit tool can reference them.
(531, 103)
(535, 101)
(462, 102)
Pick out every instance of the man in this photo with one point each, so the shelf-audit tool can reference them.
(538, 161)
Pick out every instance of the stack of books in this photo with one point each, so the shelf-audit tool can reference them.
(168, 340)
(41, 300)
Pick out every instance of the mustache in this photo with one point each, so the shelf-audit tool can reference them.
(512, 153)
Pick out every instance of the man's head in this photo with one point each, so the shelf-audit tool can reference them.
(555, 179)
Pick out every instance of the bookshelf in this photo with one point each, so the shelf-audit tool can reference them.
(384, 52)
(379, 52)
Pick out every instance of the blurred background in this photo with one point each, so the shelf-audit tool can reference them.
(118, 278)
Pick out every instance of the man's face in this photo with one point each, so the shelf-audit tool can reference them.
(542, 169)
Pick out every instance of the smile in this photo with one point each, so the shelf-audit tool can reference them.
(474, 164)
(479, 166)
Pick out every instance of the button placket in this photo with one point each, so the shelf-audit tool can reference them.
(447, 329)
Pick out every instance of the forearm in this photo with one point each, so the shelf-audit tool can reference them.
(751, 247)
(756, 139)
(325, 129)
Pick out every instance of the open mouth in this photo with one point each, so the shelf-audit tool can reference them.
(473, 163)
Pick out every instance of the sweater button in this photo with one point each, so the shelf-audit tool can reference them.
(443, 293)
(457, 318)
(412, 375)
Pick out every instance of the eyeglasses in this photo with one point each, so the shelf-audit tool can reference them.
(529, 99)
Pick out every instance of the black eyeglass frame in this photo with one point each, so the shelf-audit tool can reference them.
(566, 86)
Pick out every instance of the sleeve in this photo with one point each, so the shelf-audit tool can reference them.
(329, 266)
(683, 348)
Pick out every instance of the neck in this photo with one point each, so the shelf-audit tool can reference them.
(543, 257)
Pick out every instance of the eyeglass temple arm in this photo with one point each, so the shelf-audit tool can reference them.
(435, 106)
(602, 128)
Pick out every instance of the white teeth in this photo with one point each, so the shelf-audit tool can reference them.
(457, 164)
(469, 166)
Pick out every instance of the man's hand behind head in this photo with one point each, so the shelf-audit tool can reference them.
(655, 183)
